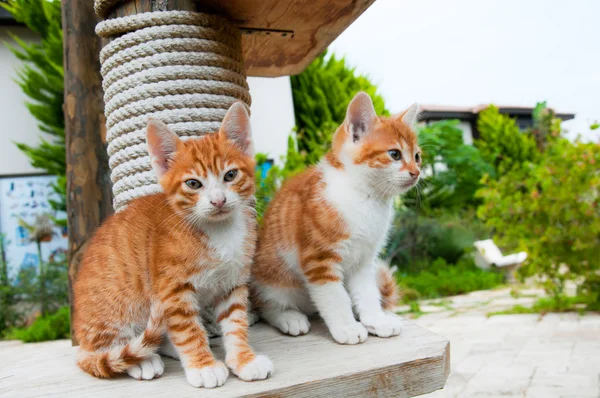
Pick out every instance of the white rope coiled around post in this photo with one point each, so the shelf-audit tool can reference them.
(184, 68)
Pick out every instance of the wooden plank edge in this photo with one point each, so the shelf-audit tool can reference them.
(381, 382)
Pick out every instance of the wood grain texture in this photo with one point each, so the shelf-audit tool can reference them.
(89, 197)
(415, 363)
(132, 7)
(314, 23)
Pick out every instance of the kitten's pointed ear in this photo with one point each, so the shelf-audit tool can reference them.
(409, 116)
(360, 116)
(236, 128)
(162, 145)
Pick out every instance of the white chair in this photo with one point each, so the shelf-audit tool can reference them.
(488, 255)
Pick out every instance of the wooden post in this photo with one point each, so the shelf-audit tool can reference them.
(132, 7)
(89, 197)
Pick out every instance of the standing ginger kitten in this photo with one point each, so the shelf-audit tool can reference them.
(325, 228)
(151, 268)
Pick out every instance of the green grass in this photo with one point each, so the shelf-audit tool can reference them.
(444, 303)
(50, 327)
(546, 305)
(441, 280)
(414, 310)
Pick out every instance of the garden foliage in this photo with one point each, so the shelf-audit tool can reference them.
(30, 293)
(8, 314)
(501, 143)
(454, 170)
(49, 327)
(439, 279)
(41, 78)
(551, 209)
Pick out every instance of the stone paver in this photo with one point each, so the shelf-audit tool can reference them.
(551, 356)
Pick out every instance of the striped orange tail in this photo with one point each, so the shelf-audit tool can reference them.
(117, 360)
(388, 288)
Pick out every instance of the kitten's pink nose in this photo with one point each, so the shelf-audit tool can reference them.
(415, 173)
(218, 203)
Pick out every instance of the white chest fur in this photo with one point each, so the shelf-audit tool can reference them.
(368, 218)
(227, 240)
(222, 268)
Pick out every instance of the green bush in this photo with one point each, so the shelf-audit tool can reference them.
(416, 239)
(501, 143)
(453, 169)
(50, 327)
(440, 279)
(552, 211)
(8, 315)
(450, 243)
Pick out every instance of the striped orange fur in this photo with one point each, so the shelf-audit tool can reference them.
(151, 268)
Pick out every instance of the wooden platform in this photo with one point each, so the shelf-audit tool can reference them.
(415, 363)
(280, 37)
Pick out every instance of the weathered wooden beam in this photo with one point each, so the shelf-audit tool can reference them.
(132, 7)
(280, 37)
(89, 197)
(414, 363)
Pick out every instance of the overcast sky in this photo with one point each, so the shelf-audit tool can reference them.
(467, 52)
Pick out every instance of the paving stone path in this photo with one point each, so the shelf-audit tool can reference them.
(551, 356)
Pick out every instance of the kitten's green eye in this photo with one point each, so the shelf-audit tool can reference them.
(194, 184)
(418, 157)
(230, 175)
(395, 154)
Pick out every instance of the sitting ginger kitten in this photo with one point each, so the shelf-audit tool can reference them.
(151, 268)
(318, 249)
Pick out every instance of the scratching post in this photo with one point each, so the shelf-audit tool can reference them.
(182, 67)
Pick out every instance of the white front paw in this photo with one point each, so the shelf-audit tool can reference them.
(148, 369)
(383, 325)
(208, 377)
(259, 368)
(293, 323)
(351, 333)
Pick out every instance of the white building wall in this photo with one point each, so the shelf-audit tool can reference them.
(467, 132)
(16, 123)
(272, 115)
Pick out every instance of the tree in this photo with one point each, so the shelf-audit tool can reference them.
(546, 200)
(501, 143)
(321, 95)
(41, 79)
